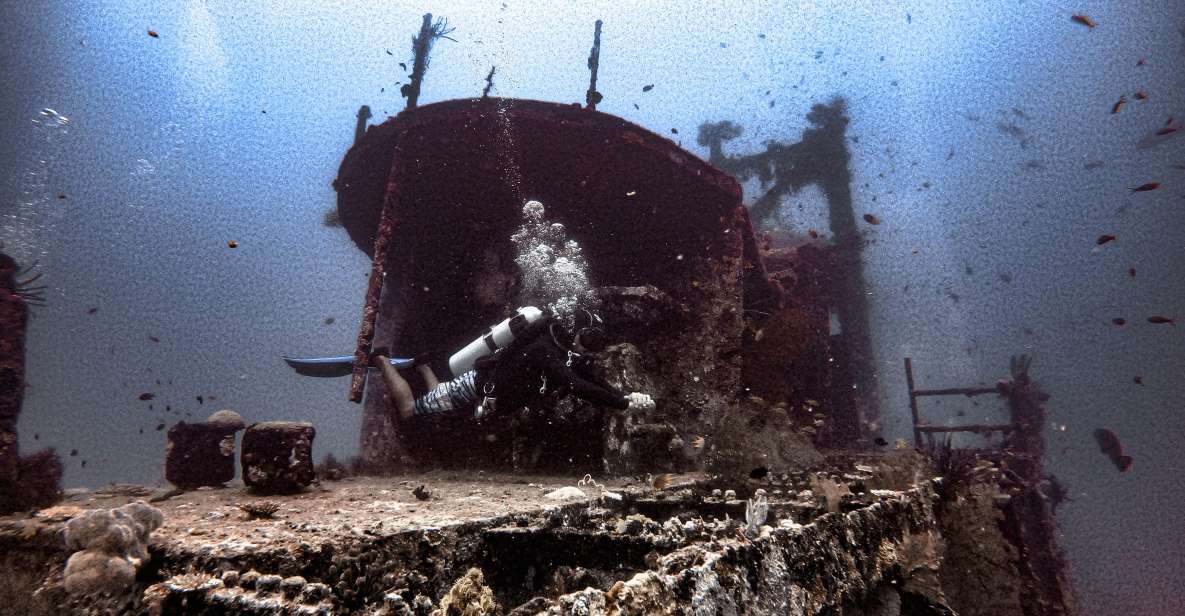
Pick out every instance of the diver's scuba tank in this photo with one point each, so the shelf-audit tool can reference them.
(494, 338)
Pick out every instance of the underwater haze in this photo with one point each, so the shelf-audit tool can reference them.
(987, 142)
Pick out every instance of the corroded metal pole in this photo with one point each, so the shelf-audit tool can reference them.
(592, 97)
(420, 47)
(374, 288)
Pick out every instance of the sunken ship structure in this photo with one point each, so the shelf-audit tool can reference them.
(753, 487)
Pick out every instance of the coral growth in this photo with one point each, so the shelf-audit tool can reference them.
(111, 544)
(469, 596)
(260, 510)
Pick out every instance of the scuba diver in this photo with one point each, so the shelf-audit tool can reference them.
(541, 359)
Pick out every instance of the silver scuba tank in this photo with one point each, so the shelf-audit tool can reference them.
(493, 339)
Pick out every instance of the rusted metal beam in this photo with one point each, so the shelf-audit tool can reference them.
(957, 391)
(967, 428)
(913, 402)
(374, 288)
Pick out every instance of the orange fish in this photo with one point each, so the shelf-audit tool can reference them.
(1141, 95)
(1084, 20)
(1103, 239)
(1119, 104)
(232, 244)
(814, 234)
(1119, 321)
(1161, 320)
(1146, 187)
(662, 481)
(872, 220)
(153, 34)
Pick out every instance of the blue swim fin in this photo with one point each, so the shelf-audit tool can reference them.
(341, 365)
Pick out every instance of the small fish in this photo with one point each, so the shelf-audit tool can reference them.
(1138, 380)
(1110, 445)
(61, 195)
(880, 442)
(84, 464)
(872, 219)
(900, 444)
(232, 244)
(1119, 321)
(154, 338)
(92, 311)
(160, 426)
(812, 403)
(697, 442)
(1141, 62)
(1158, 320)
(200, 400)
(147, 396)
(758, 473)
(1103, 239)
(73, 452)
(636, 106)
(153, 34)
(814, 234)
(1141, 95)
(675, 131)
(662, 481)
(1145, 187)
(1119, 104)
(1168, 130)
(1131, 271)
(1084, 20)
(389, 52)
(403, 66)
(647, 88)
(329, 321)
(421, 493)
(758, 335)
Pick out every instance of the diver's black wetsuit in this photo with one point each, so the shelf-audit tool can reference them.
(534, 369)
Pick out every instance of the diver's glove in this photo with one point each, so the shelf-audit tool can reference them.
(640, 401)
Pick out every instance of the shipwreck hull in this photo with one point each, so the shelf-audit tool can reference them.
(669, 249)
